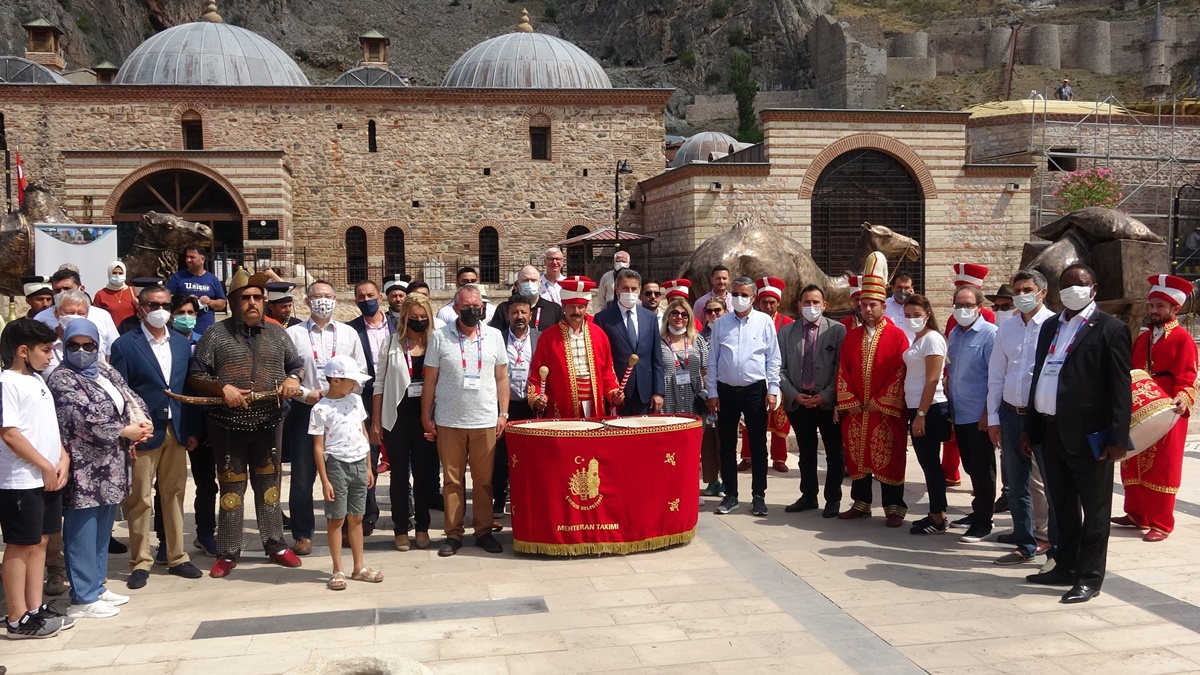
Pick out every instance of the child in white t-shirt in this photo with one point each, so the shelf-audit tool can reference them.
(33, 471)
(343, 455)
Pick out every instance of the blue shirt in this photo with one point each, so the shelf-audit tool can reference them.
(967, 365)
(743, 351)
(194, 285)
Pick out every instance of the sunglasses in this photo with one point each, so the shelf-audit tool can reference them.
(677, 314)
(653, 293)
(88, 347)
(156, 305)
(714, 310)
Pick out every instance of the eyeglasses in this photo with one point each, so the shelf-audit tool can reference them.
(742, 295)
(677, 314)
(550, 260)
(965, 305)
(652, 293)
(713, 310)
(88, 347)
(156, 305)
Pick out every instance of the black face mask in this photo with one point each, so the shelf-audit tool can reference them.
(369, 307)
(417, 325)
(470, 316)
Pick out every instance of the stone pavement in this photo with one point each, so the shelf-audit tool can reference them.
(788, 593)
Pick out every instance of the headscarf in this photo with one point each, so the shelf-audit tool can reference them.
(86, 328)
(112, 266)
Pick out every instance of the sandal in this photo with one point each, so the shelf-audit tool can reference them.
(367, 574)
(337, 582)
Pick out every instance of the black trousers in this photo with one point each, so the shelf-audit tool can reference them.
(979, 461)
(371, 515)
(892, 495)
(928, 449)
(1079, 490)
(304, 470)
(749, 401)
(518, 409)
(633, 399)
(806, 422)
(408, 447)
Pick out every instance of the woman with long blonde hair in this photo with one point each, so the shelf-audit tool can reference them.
(685, 360)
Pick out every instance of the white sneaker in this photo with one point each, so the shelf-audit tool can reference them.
(96, 610)
(114, 599)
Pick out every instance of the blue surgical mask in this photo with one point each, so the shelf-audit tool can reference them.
(369, 307)
(529, 288)
(82, 360)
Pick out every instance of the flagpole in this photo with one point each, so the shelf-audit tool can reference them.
(7, 167)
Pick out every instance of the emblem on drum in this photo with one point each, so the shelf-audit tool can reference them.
(584, 486)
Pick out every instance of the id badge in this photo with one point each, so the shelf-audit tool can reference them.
(683, 377)
(415, 389)
(470, 382)
(520, 372)
(1052, 368)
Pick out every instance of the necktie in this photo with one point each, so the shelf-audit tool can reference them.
(808, 366)
(630, 328)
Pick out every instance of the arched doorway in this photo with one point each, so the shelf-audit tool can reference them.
(489, 255)
(577, 255)
(871, 186)
(187, 194)
(356, 255)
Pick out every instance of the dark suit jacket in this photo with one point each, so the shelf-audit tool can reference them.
(830, 335)
(545, 315)
(1094, 389)
(359, 325)
(133, 358)
(648, 373)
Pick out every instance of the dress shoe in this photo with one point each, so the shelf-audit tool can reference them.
(953, 483)
(449, 547)
(400, 542)
(116, 548)
(781, 467)
(852, 513)
(56, 581)
(1006, 538)
(801, 504)
(894, 520)
(1051, 578)
(1001, 504)
(286, 558)
(489, 543)
(744, 465)
(287, 522)
(1042, 547)
(422, 540)
(1155, 535)
(186, 570)
(831, 510)
(222, 567)
(497, 526)
(138, 579)
(1080, 593)
(302, 547)
(1124, 521)
(368, 528)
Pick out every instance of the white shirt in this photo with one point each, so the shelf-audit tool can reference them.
(102, 319)
(895, 311)
(519, 355)
(931, 344)
(1045, 399)
(579, 352)
(607, 290)
(1010, 371)
(340, 421)
(551, 290)
(26, 405)
(455, 405)
(162, 353)
(317, 345)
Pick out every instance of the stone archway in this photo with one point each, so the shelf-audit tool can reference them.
(195, 195)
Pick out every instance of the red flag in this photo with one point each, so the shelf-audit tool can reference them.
(20, 181)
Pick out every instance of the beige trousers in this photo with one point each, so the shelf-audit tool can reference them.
(457, 449)
(169, 464)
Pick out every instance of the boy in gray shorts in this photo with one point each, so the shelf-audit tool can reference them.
(343, 460)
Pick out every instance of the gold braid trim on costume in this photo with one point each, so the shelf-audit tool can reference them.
(1149, 486)
(592, 548)
(1189, 394)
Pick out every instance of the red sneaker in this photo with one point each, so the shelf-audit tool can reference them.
(222, 567)
(286, 558)
(894, 520)
(781, 467)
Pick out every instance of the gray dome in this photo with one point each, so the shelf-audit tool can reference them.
(698, 147)
(207, 53)
(369, 76)
(524, 60)
(16, 70)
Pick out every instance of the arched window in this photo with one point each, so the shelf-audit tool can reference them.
(539, 136)
(393, 252)
(489, 255)
(371, 145)
(192, 128)
(356, 255)
(577, 255)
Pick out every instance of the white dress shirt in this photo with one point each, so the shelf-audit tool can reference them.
(1010, 371)
(743, 351)
(895, 311)
(519, 355)
(1045, 399)
(551, 290)
(317, 345)
(162, 354)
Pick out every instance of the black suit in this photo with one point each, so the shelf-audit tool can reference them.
(1094, 394)
(543, 315)
(359, 324)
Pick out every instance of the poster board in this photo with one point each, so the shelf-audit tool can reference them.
(89, 247)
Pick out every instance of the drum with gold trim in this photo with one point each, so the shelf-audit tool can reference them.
(647, 422)
(1152, 415)
(560, 425)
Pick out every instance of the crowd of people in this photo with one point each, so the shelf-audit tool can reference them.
(107, 398)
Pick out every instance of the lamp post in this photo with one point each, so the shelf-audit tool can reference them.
(622, 168)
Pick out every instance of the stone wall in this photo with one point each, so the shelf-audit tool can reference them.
(709, 107)
(849, 72)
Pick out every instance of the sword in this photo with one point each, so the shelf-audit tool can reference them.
(252, 397)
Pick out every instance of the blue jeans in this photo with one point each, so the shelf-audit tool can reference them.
(85, 537)
(1017, 468)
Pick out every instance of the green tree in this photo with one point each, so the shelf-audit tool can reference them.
(745, 88)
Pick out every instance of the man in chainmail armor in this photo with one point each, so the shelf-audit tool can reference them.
(239, 360)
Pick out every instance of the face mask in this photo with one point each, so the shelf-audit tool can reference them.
(1026, 303)
(627, 300)
(620, 265)
(470, 316)
(82, 360)
(184, 323)
(811, 313)
(158, 318)
(915, 324)
(65, 320)
(900, 296)
(417, 325)
(740, 304)
(322, 308)
(369, 307)
(965, 317)
(116, 280)
(1003, 314)
(677, 331)
(1075, 298)
(529, 288)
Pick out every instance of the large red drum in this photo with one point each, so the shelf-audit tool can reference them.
(604, 486)
(1152, 415)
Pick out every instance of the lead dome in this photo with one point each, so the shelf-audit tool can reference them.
(697, 148)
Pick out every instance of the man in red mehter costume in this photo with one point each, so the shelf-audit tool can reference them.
(580, 379)
(769, 292)
(870, 402)
(968, 274)
(1168, 353)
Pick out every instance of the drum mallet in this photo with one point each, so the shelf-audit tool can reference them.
(633, 361)
(543, 373)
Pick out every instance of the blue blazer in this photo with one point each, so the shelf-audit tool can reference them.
(359, 325)
(648, 373)
(133, 358)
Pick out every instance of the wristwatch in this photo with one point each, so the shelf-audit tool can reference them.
(920, 413)
(293, 375)
(504, 415)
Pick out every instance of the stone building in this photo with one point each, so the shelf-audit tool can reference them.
(514, 152)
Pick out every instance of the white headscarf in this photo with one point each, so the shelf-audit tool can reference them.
(112, 266)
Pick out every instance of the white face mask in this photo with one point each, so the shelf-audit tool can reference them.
(529, 288)
(116, 281)
(65, 320)
(1026, 303)
(322, 308)
(627, 300)
(965, 317)
(740, 304)
(812, 313)
(1004, 314)
(915, 324)
(620, 265)
(1075, 298)
(677, 331)
(158, 318)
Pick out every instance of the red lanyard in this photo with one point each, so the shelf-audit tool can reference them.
(537, 317)
(408, 356)
(462, 349)
(687, 350)
(1058, 329)
(519, 345)
(316, 357)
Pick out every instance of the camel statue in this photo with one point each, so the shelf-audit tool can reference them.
(754, 249)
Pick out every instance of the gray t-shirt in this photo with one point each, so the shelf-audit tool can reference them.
(466, 397)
